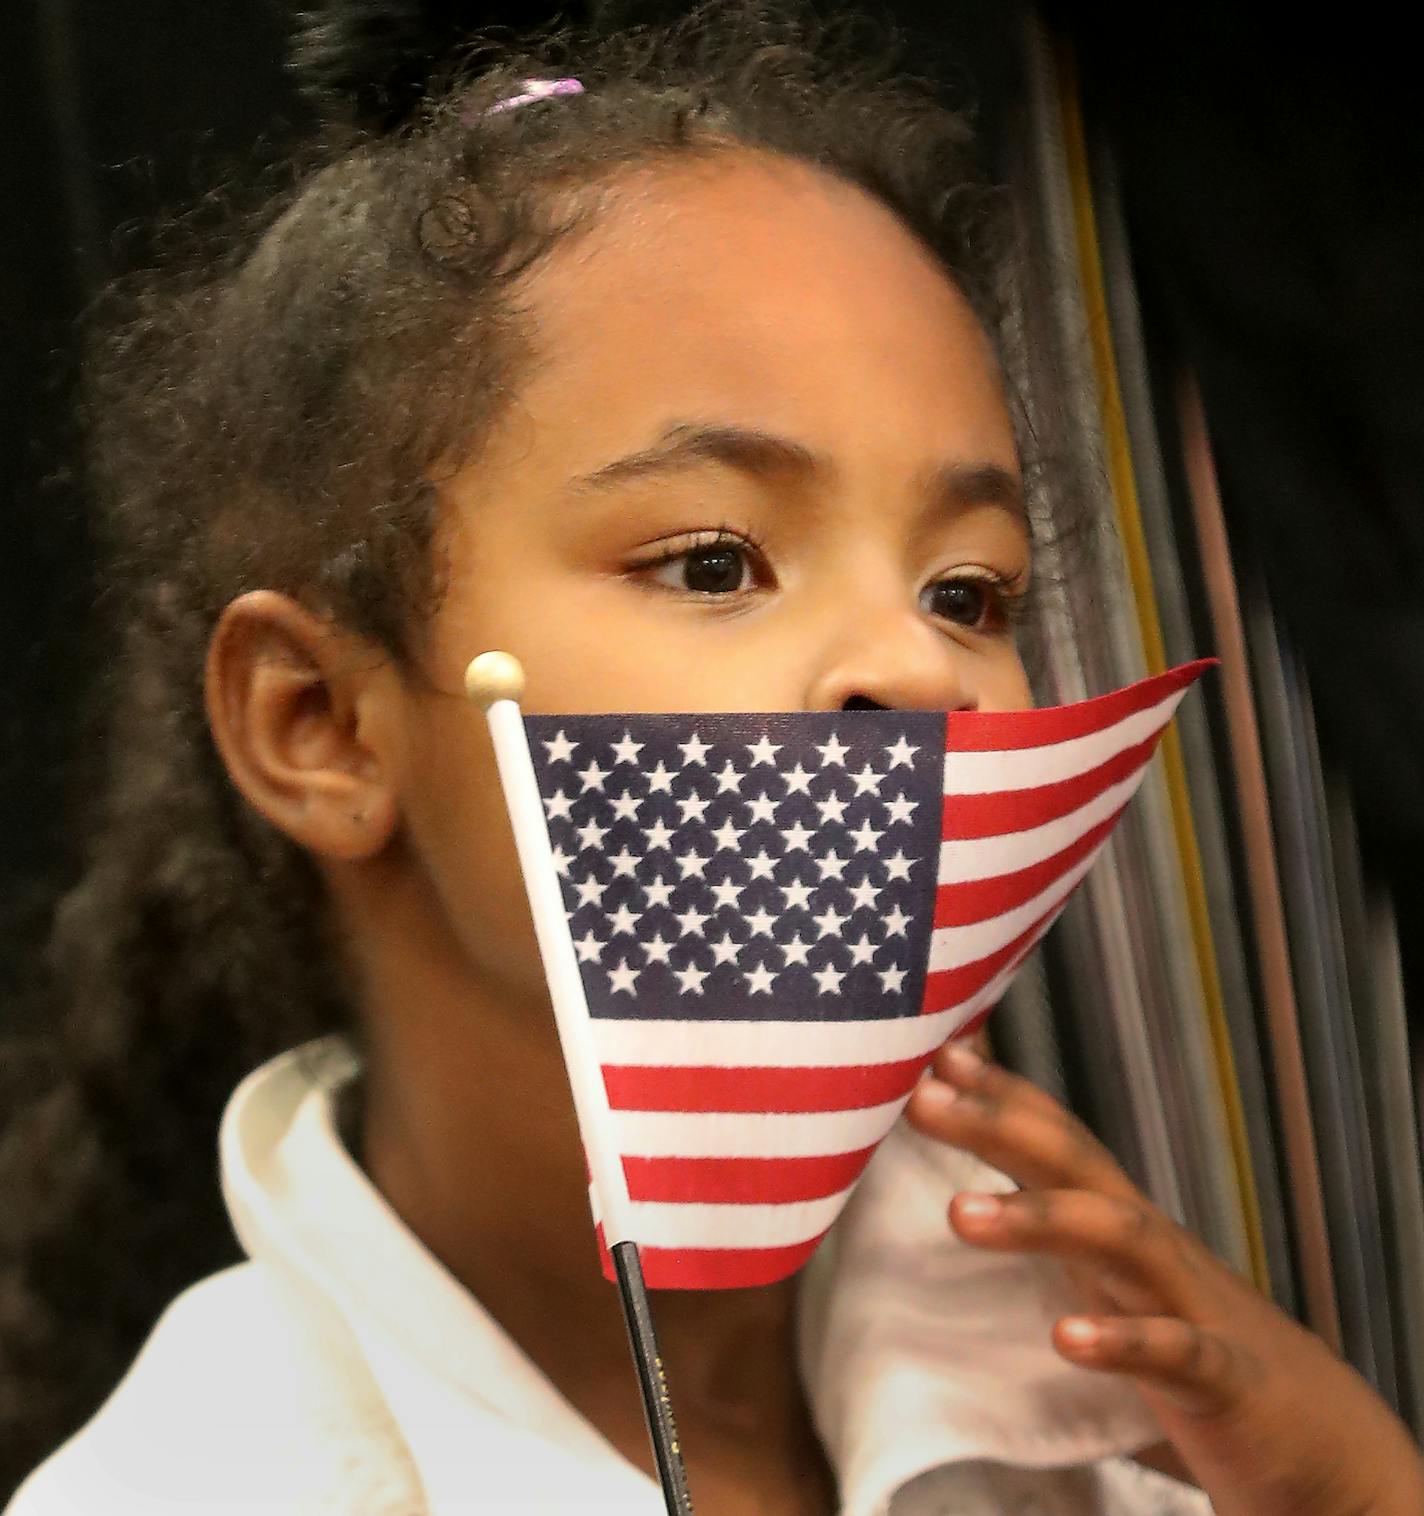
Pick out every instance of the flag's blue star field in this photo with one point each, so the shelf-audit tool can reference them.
(736, 866)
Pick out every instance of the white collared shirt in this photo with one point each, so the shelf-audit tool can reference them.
(342, 1369)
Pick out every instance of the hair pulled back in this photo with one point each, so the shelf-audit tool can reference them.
(273, 414)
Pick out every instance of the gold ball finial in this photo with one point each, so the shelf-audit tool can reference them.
(494, 676)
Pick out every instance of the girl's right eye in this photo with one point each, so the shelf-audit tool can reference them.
(710, 563)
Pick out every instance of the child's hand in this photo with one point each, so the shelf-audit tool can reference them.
(1267, 1419)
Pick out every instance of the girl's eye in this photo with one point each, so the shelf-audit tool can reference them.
(980, 604)
(720, 564)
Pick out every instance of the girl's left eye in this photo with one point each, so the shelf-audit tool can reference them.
(981, 603)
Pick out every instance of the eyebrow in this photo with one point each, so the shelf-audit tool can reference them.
(764, 455)
(956, 486)
(688, 444)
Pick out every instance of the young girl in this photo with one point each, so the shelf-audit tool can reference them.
(680, 386)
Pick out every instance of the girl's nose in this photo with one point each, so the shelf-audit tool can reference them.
(896, 660)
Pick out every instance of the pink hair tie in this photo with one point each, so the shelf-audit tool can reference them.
(538, 89)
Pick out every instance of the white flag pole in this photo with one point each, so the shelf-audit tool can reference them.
(495, 681)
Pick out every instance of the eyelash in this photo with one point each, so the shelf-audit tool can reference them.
(1009, 607)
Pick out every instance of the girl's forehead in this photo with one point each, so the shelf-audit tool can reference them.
(766, 292)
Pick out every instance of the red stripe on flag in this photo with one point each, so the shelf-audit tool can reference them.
(950, 987)
(713, 1268)
(678, 1087)
(742, 1181)
(1003, 731)
(982, 899)
(1003, 811)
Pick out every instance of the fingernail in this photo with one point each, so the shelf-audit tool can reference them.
(979, 1207)
(936, 1093)
(1078, 1332)
(964, 1061)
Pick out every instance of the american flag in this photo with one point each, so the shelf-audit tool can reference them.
(778, 918)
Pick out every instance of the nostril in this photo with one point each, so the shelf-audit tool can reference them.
(863, 703)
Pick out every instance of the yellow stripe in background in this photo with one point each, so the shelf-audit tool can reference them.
(1124, 489)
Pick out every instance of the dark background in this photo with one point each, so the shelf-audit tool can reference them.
(1277, 215)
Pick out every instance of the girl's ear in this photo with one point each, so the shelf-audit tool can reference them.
(306, 718)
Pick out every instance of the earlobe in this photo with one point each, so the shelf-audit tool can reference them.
(295, 709)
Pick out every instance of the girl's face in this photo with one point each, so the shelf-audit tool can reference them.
(762, 462)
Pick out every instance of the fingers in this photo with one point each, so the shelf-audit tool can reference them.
(1197, 1370)
(1012, 1125)
(1139, 1258)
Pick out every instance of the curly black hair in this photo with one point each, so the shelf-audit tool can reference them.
(271, 414)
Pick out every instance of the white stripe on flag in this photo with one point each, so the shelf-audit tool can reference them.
(669, 1224)
(768, 1044)
(1031, 767)
(775, 1134)
(951, 946)
(963, 860)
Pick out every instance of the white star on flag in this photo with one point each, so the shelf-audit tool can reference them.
(798, 781)
(867, 781)
(622, 977)
(763, 808)
(658, 834)
(693, 808)
(763, 750)
(625, 864)
(729, 781)
(862, 951)
(627, 750)
(891, 979)
(727, 835)
(625, 808)
(796, 951)
(899, 810)
(759, 980)
(726, 950)
(897, 866)
(560, 748)
(760, 922)
(830, 921)
(657, 950)
(829, 979)
(725, 893)
(692, 863)
(832, 808)
(831, 752)
(832, 866)
(590, 834)
(763, 866)
(694, 749)
(691, 921)
(690, 978)
(798, 836)
(593, 777)
(866, 837)
(623, 920)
